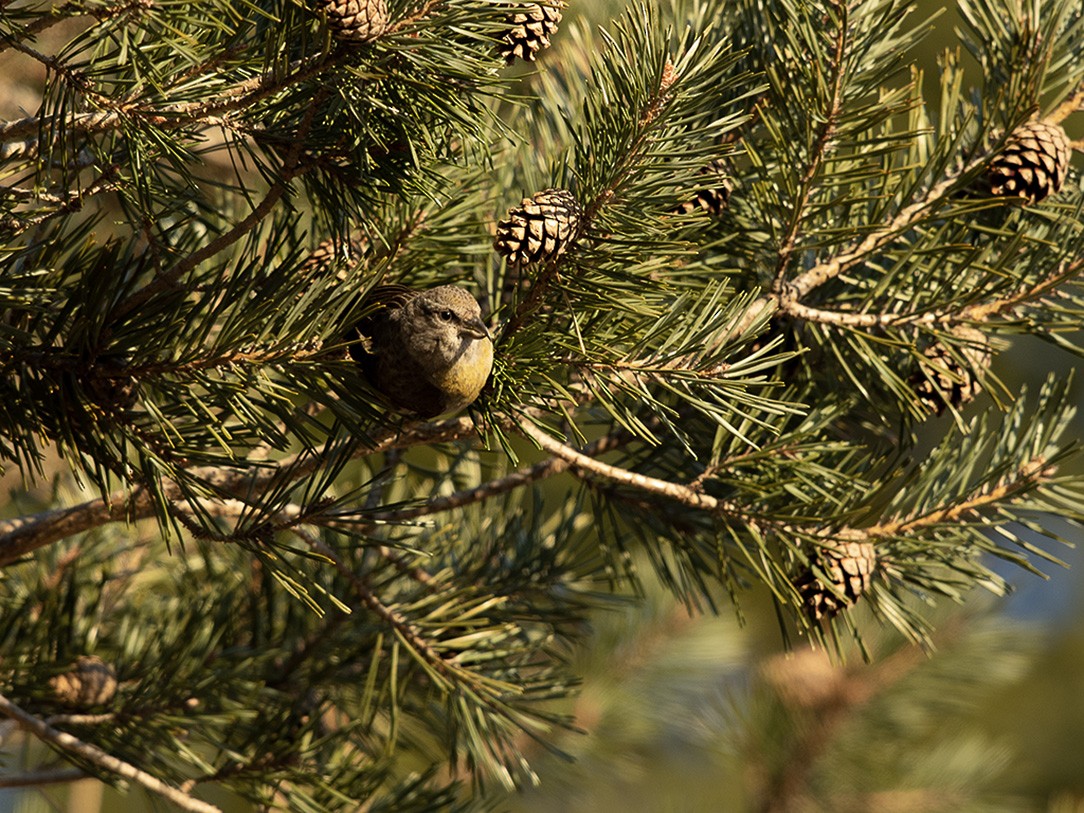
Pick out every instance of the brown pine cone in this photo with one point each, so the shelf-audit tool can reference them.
(356, 21)
(530, 30)
(1033, 164)
(944, 380)
(90, 682)
(848, 568)
(711, 199)
(540, 229)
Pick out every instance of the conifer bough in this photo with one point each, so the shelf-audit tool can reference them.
(361, 595)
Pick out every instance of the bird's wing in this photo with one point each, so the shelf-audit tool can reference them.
(388, 296)
(377, 307)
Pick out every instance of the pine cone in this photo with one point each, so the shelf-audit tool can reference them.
(530, 30)
(90, 682)
(110, 386)
(1033, 164)
(712, 200)
(356, 20)
(943, 380)
(848, 566)
(540, 229)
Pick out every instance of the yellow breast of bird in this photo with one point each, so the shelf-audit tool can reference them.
(463, 381)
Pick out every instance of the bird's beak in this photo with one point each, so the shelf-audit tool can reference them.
(477, 329)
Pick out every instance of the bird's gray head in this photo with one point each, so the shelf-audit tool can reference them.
(443, 322)
(449, 308)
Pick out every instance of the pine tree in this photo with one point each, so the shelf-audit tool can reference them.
(763, 262)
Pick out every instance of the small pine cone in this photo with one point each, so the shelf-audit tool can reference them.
(530, 30)
(1033, 164)
(944, 381)
(848, 566)
(90, 682)
(714, 199)
(356, 20)
(540, 229)
(109, 384)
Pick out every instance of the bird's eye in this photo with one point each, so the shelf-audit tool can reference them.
(446, 316)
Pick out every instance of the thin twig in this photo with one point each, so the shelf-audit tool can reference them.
(106, 182)
(70, 11)
(37, 778)
(977, 312)
(664, 488)
(1071, 105)
(182, 114)
(418, 15)
(857, 252)
(80, 719)
(96, 756)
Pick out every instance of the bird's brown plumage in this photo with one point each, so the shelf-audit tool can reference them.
(426, 352)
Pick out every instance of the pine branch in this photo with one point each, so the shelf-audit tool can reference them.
(502, 485)
(71, 10)
(180, 115)
(96, 756)
(821, 146)
(976, 312)
(23, 535)
(983, 311)
(1034, 472)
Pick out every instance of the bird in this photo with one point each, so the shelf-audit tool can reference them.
(426, 351)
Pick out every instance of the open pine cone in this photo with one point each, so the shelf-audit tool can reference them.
(90, 682)
(530, 30)
(541, 228)
(1033, 164)
(848, 568)
(944, 380)
(356, 20)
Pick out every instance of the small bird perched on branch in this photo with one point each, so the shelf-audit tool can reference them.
(427, 352)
